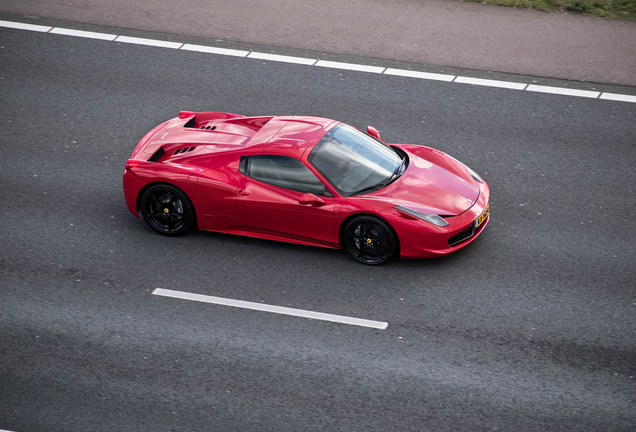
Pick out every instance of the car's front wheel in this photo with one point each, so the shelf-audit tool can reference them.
(370, 240)
(167, 210)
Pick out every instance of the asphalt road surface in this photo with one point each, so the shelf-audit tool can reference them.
(530, 328)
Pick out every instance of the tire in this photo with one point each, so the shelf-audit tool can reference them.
(167, 210)
(370, 240)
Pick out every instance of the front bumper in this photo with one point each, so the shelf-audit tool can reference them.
(420, 239)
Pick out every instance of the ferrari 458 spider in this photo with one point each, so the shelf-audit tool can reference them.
(306, 180)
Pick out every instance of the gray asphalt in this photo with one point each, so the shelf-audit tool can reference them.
(530, 328)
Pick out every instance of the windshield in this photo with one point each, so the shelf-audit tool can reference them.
(354, 162)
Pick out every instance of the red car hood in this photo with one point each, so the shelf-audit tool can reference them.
(430, 188)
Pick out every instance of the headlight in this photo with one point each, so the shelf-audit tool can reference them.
(472, 173)
(430, 218)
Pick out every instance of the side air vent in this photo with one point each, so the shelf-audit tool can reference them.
(156, 155)
(183, 150)
(208, 127)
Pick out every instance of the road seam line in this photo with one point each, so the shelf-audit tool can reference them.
(271, 308)
(325, 63)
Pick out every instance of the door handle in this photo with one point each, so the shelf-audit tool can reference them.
(243, 192)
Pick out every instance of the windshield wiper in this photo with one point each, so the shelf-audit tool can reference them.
(368, 188)
(380, 185)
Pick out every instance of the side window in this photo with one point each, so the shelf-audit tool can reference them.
(243, 166)
(285, 172)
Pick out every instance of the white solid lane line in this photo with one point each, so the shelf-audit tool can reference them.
(563, 91)
(149, 42)
(23, 26)
(84, 34)
(420, 75)
(618, 97)
(215, 50)
(282, 58)
(490, 83)
(273, 309)
(349, 66)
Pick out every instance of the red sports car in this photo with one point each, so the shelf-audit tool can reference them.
(306, 180)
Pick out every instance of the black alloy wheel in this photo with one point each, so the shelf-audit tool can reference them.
(370, 240)
(167, 210)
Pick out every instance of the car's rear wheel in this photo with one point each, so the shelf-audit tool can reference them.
(370, 240)
(167, 210)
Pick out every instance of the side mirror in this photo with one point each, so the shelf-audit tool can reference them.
(310, 198)
(373, 132)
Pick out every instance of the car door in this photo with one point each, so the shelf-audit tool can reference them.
(280, 196)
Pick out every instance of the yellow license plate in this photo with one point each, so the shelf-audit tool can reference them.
(482, 217)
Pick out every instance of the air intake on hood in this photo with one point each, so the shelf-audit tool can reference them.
(191, 123)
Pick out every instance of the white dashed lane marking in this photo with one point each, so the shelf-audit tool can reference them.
(272, 309)
(326, 64)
